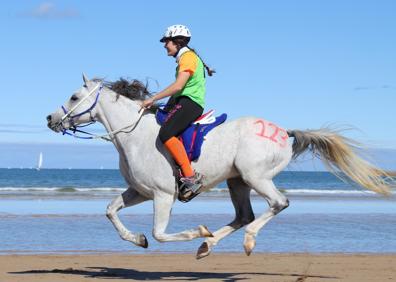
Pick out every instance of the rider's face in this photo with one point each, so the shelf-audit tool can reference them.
(170, 47)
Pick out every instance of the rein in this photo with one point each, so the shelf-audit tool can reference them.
(74, 128)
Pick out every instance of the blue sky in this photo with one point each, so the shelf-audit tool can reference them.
(301, 64)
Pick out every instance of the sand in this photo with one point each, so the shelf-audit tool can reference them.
(184, 267)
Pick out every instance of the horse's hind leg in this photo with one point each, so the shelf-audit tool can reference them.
(277, 202)
(162, 210)
(240, 196)
(129, 198)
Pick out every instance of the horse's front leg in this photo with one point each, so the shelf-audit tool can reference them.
(129, 198)
(162, 210)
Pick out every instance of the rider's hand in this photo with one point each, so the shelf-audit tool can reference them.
(148, 103)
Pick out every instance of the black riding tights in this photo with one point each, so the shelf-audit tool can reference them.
(182, 112)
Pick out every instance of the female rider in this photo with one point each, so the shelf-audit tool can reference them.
(187, 99)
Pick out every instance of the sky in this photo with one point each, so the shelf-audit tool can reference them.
(301, 64)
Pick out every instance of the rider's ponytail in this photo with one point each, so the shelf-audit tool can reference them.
(181, 42)
(208, 69)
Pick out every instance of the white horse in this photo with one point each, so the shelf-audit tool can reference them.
(247, 153)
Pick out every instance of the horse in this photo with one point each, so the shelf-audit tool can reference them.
(247, 153)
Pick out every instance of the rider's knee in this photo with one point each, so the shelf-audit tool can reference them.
(164, 135)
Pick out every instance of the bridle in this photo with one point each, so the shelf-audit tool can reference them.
(74, 128)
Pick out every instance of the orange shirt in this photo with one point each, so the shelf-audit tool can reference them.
(188, 62)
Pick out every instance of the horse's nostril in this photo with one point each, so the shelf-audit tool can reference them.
(49, 118)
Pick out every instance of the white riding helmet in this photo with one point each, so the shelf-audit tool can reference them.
(175, 31)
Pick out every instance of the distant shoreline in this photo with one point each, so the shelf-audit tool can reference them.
(390, 172)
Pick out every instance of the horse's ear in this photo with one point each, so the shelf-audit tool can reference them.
(85, 78)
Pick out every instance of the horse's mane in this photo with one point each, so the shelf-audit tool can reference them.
(132, 89)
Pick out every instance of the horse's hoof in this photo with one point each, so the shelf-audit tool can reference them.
(203, 251)
(204, 231)
(248, 250)
(142, 241)
(249, 244)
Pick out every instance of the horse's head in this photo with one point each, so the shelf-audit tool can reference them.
(79, 109)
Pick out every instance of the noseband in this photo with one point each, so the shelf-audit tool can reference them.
(68, 114)
(74, 128)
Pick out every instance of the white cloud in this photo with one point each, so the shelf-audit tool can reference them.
(48, 10)
(384, 86)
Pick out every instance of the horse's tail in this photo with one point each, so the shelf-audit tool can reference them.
(339, 154)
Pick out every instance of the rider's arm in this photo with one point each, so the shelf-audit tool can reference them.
(175, 87)
(172, 89)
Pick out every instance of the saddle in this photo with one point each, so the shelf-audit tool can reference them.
(192, 139)
(194, 136)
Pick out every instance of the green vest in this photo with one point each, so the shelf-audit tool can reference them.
(195, 87)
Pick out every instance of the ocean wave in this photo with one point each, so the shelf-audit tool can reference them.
(308, 191)
(315, 191)
(213, 191)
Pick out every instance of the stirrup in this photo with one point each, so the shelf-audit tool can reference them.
(189, 188)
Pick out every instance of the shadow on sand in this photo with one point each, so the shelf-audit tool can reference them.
(120, 273)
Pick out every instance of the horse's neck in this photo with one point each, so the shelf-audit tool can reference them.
(124, 112)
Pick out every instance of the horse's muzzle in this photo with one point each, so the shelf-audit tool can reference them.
(55, 126)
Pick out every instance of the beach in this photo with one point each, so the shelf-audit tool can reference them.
(317, 239)
(53, 228)
(184, 267)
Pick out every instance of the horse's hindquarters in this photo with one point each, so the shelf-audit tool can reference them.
(263, 148)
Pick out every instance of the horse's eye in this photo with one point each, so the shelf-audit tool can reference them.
(74, 98)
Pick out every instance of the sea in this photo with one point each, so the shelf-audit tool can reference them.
(62, 211)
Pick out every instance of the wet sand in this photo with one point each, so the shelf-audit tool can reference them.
(184, 267)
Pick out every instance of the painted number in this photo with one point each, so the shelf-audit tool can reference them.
(272, 132)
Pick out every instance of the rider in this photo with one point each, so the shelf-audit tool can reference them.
(187, 99)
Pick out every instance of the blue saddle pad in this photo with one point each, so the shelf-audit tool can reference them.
(193, 136)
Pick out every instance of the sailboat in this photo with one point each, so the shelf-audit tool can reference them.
(40, 161)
